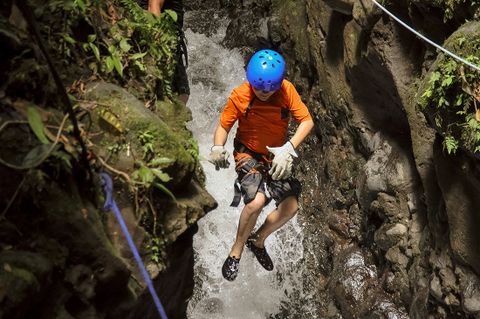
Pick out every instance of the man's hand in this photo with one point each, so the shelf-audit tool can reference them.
(219, 157)
(282, 161)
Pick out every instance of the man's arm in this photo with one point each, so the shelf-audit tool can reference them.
(301, 133)
(155, 6)
(220, 136)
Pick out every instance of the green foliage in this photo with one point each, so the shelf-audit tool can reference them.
(133, 45)
(157, 249)
(148, 177)
(146, 139)
(450, 144)
(36, 124)
(154, 42)
(450, 99)
(192, 148)
(451, 6)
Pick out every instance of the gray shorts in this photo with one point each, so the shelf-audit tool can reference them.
(253, 177)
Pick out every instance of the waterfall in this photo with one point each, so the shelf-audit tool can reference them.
(256, 293)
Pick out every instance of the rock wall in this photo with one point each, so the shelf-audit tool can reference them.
(61, 254)
(389, 211)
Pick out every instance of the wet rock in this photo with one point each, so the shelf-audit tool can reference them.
(342, 6)
(82, 279)
(385, 308)
(436, 288)
(354, 283)
(387, 170)
(339, 222)
(395, 256)
(470, 290)
(389, 235)
(390, 208)
(366, 13)
(397, 230)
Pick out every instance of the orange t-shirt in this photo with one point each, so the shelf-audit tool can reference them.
(266, 123)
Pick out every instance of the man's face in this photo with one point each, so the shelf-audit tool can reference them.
(263, 95)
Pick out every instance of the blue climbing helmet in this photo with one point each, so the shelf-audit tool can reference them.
(265, 70)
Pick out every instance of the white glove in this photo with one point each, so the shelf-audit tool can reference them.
(282, 161)
(219, 157)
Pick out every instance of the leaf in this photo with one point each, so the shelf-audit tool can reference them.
(427, 93)
(124, 46)
(161, 161)
(137, 56)
(69, 39)
(140, 65)
(111, 119)
(80, 4)
(36, 124)
(164, 177)
(477, 115)
(95, 50)
(36, 154)
(451, 144)
(435, 77)
(447, 81)
(144, 175)
(118, 65)
(109, 64)
(92, 38)
(172, 14)
(165, 190)
(459, 100)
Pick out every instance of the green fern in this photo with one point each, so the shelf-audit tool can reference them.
(450, 144)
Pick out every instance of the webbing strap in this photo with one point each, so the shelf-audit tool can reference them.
(111, 204)
(237, 194)
(249, 107)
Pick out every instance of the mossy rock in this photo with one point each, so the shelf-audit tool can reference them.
(122, 119)
(446, 94)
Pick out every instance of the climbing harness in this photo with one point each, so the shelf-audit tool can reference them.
(111, 204)
(247, 167)
(476, 67)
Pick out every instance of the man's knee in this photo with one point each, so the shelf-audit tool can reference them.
(289, 206)
(255, 206)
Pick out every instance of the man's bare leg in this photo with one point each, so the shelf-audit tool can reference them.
(247, 221)
(276, 219)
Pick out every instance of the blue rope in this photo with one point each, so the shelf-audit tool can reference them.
(476, 67)
(111, 204)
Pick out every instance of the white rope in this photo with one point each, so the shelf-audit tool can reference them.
(476, 67)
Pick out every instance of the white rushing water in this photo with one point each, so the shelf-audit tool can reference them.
(256, 293)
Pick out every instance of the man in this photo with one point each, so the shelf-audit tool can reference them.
(262, 107)
(180, 80)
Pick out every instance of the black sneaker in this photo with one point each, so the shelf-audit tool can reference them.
(261, 254)
(230, 268)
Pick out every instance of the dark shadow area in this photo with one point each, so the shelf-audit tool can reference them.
(375, 94)
(335, 37)
(173, 286)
